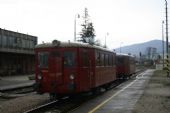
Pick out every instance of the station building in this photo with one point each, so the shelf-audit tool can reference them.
(16, 53)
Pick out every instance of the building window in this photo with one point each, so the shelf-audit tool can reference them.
(4, 41)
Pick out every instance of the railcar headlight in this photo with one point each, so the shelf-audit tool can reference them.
(39, 77)
(72, 76)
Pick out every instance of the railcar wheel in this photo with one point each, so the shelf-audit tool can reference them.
(96, 91)
(129, 77)
(53, 96)
(107, 86)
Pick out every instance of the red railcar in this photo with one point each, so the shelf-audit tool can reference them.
(125, 65)
(70, 68)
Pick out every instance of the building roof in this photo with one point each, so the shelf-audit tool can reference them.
(14, 42)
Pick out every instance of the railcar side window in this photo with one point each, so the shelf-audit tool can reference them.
(120, 60)
(132, 61)
(69, 59)
(102, 59)
(43, 59)
(113, 60)
(106, 59)
(98, 59)
(110, 60)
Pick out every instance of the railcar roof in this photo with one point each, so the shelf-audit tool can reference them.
(122, 54)
(69, 45)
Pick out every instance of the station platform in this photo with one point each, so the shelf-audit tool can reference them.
(13, 82)
(121, 99)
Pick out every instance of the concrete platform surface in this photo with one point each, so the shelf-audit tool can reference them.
(12, 82)
(121, 99)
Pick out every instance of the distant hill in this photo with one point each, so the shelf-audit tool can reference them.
(141, 47)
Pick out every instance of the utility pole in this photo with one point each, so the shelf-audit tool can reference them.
(76, 16)
(121, 47)
(167, 43)
(105, 46)
(86, 16)
(163, 42)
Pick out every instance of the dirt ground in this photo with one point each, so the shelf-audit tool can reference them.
(156, 96)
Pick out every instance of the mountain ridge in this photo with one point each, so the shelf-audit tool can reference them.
(135, 49)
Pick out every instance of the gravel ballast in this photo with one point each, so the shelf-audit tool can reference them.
(24, 103)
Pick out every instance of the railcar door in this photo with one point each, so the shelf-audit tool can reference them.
(55, 70)
(86, 70)
(91, 67)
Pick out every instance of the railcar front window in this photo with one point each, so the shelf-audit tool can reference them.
(69, 59)
(43, 59)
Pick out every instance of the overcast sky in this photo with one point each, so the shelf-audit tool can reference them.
(126, 21)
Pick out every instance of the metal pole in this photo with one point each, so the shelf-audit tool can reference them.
(163, 42)
(166, 12)
(105, 38)
(75, 29)
(76, 16)
(167, 43)
(120, 47)
(105, 41)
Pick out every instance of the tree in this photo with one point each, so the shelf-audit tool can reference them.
(88, 33)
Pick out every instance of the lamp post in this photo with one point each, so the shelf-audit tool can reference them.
(105, 39)
(121, 47)
(76, 16)
(163, 42)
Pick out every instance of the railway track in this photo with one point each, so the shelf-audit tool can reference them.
(23, 90)
(15, 92)
(19, 90)
(63, 105)
(67, 104)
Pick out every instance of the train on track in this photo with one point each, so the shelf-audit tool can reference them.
(66, 68)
